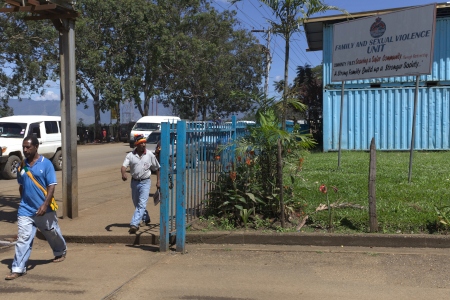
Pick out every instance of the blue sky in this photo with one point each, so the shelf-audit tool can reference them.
(253, 15)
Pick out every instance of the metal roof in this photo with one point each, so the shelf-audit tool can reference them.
(314, 26)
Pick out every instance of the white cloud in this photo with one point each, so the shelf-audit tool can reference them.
(278, 78)
(49, 95)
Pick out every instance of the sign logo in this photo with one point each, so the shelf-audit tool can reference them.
(378, 28)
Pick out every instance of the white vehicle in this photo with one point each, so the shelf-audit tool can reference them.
(14, 129)
(146, 125)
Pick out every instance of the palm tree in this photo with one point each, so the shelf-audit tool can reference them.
(307, 88)
(290, 15)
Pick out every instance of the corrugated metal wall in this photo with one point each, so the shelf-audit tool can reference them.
(386, 112)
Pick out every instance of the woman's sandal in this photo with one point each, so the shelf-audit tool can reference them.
(13, 276)
(59, 258)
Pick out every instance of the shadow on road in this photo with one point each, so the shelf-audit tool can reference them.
(118, 225)
(32, 263)
(8, 208)
(145, 247)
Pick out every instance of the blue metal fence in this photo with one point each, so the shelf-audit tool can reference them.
(193, 154)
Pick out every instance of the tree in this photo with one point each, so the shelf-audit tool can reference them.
(308, 90)
(290, 15)
(210, 61)
(101, 57)
(28, 55)
(137, 63)
(6, 111)
(182, 52)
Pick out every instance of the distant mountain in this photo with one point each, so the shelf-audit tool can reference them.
(53, 108)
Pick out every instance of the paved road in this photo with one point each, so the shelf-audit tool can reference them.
(124, 271)
(104, 200)
(98, 170)
(233, 272)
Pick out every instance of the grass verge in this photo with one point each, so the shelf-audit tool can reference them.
(402, 207)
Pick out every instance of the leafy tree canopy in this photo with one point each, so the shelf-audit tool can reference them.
(183, 52)
(28, 56)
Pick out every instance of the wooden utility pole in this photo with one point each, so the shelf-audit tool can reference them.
(66, 30)
(268, 61)
(63, 16)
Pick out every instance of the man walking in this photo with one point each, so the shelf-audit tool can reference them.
(37, 181)
(141, 162)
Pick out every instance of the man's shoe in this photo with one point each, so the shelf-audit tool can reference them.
(147, 222)
(143, 223)
(13, 276)
(59, 258)
(133, 229)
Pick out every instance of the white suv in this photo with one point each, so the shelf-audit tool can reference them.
(15, 128)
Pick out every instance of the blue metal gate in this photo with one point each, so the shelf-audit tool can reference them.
(193, 154)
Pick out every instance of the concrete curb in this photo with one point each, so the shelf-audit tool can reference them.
(304, 239)
(307, 239)
(132, 239)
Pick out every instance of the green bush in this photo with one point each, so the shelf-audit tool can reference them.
(421, 206)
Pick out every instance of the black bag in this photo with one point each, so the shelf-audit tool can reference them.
(157, 197)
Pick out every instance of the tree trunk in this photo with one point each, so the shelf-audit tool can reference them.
(117, 136)
(97, 124)
(286, 77)
(280, 181)
(146, 105)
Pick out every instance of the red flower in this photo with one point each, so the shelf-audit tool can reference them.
(323, 188)
(233, 176)
(248, 161)
(217, 157)
(300, 162)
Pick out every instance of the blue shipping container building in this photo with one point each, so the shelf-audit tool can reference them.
(382, 108)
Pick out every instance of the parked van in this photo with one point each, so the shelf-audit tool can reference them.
(146, 125)
(14, 129)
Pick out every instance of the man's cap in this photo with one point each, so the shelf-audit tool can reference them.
(139, 139)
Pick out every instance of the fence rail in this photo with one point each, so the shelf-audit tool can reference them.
(193, 154)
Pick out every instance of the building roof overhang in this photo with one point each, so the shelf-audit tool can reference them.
(42, 9)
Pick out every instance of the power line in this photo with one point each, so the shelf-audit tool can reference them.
(261, 5)
(298, 49)
(239, 19)
(251, 21)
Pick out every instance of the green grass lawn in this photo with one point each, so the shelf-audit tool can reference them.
(401, 206)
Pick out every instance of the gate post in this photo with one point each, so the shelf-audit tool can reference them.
(181, 187)
(164, 181)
